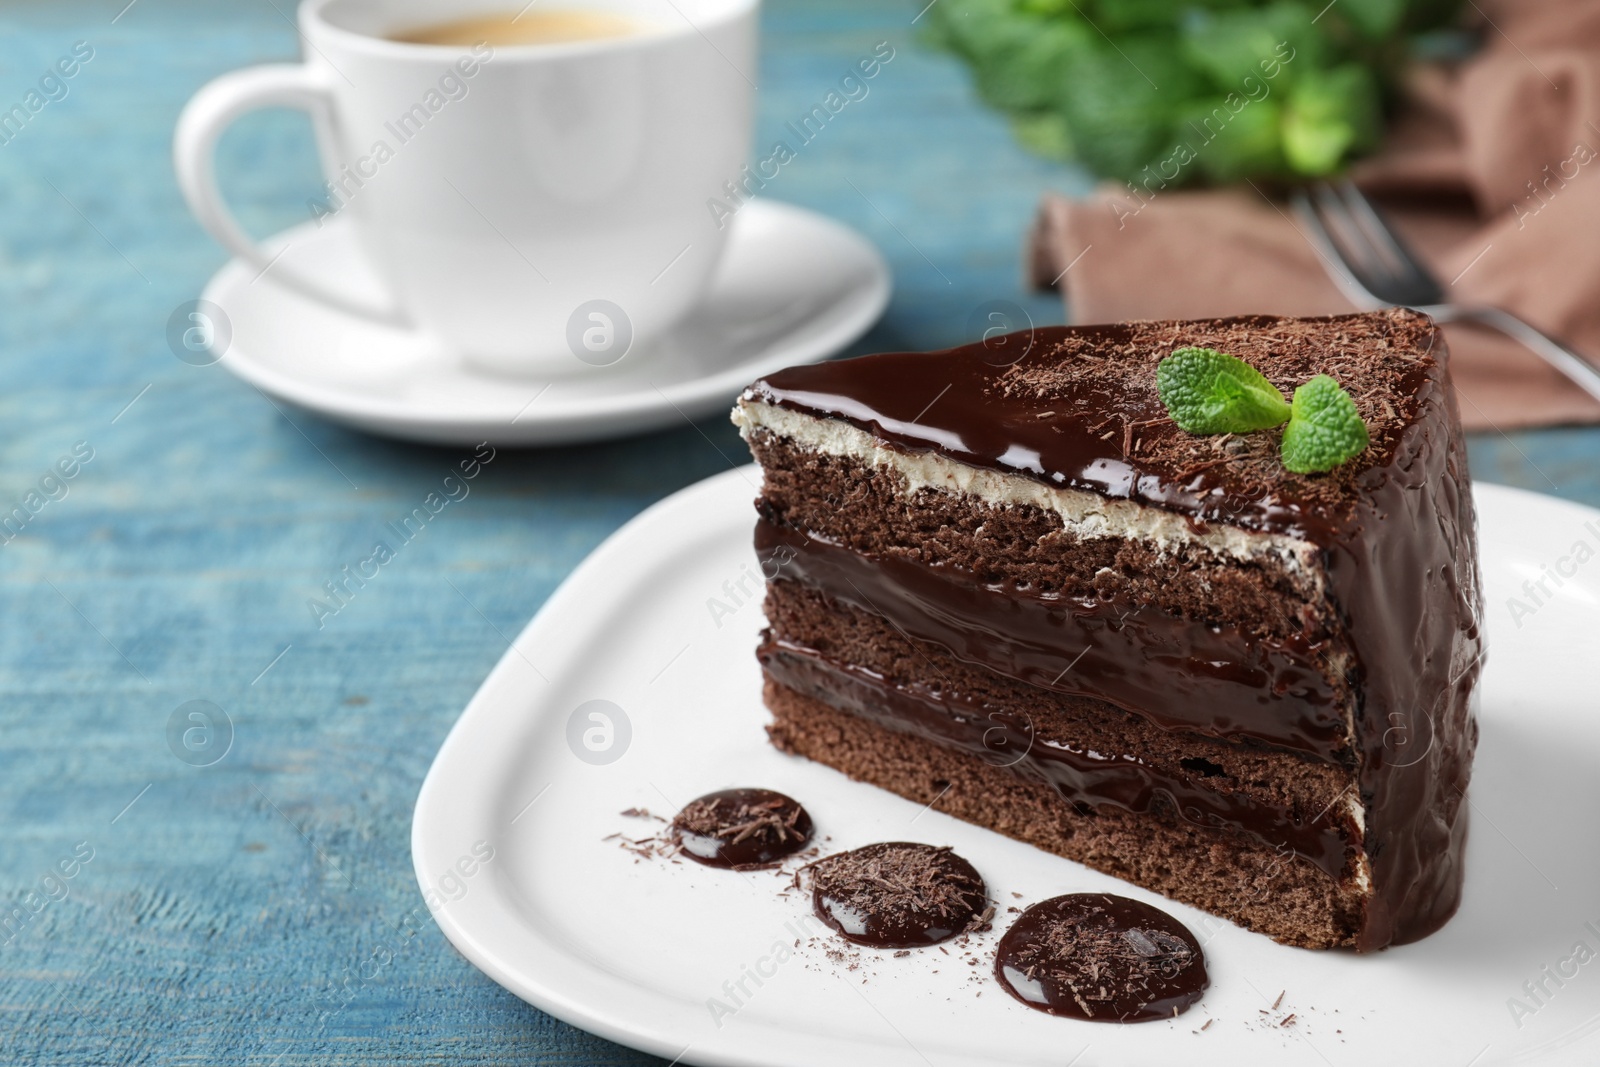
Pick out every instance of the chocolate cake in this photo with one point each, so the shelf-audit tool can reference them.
(1003, 582)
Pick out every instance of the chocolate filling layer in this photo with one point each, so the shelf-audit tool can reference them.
(1182, 675)
(1081, 775)
(801, 615)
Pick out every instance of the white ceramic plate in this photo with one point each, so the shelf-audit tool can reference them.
(635, 950)
(792, 287)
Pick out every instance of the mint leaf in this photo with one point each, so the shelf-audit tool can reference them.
(1230, 46)
(1324, 428)
(1091, 67)
(1329, 115)
(1250, 144)
(1377, 19)
(1207, 391)
(1119, 121)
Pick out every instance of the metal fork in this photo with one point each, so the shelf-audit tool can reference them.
(1375, 268)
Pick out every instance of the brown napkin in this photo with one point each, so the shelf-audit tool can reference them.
(1492, 173)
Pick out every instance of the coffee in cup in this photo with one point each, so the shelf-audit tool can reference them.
(508, 191)
(527, 27)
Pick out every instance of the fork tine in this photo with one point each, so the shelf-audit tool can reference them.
(1341, 267)
(1377, 228)
(1355, 246)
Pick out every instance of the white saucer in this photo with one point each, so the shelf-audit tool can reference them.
(792, 287)
(635, 951)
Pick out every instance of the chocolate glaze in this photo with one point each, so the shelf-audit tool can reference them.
(899, 894)
(741, 828)
(1394, 528)
(990, 416)
(1180, 674)
(1007, 739)
(1101, 958)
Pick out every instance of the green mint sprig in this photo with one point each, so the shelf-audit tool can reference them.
(1210, 392)
(1324, 428)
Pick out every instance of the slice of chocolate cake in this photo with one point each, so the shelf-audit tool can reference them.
(1014, 589)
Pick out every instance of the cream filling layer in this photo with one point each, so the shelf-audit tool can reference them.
(1083, 514)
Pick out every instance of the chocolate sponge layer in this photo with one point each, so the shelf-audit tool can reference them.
(805, 623)
(866, 509)
(1226, 874)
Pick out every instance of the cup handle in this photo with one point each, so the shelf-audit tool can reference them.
(212, 110)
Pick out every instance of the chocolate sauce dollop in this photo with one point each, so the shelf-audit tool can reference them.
(899, 895)
(741, 828)
(1103, 958)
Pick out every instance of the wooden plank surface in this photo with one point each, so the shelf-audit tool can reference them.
(254, 911)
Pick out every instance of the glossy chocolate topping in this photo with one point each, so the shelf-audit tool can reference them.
(1180, 674)
(1007, 739)
(1393, 529)
(899, 895)
(1102, 958)
(1081, 411)
(741, 828)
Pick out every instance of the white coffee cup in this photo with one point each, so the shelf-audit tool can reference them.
(536, 208)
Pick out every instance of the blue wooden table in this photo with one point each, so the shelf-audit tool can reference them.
(237, 893)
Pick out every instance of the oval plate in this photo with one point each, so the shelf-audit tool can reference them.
(700, 966)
